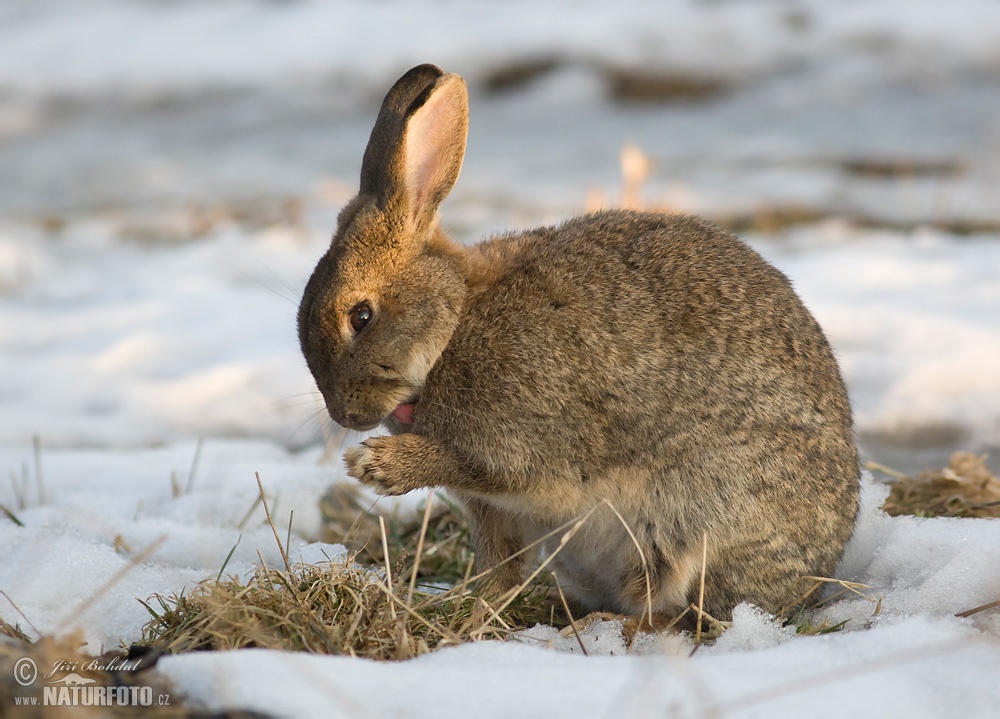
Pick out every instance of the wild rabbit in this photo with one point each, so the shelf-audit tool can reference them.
(652, 363)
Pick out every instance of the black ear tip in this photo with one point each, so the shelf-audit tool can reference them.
(415, 82)
(431, 72)
(416, 79)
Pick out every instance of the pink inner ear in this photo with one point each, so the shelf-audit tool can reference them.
(435, 145)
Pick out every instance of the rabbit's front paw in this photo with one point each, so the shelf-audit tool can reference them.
(381, 464)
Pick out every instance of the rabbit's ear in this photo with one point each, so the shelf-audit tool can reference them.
(416, 149)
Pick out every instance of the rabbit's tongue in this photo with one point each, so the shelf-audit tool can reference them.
(403, 413)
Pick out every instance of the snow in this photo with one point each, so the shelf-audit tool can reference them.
(917, 668)
(98, 498)
(49, 47)
(170, 172)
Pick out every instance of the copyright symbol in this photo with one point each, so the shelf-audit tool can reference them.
(25, 671)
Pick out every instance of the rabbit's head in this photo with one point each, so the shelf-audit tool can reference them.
(385, 299)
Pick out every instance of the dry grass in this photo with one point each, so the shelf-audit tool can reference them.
(802, 615)
(965, 488)
(349, 519)
(333, 608)
(420, 601)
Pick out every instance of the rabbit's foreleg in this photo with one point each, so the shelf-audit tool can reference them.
(397, 464)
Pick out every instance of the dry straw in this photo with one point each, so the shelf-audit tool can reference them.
(965, 488)
(378, 603)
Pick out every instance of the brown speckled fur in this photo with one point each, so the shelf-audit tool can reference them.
(655, 362)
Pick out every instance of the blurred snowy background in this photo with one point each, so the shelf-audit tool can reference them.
(170, 171)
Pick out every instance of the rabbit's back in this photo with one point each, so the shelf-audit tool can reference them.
(659, 363)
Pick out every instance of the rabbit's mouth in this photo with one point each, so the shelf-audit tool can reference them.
(404, 412)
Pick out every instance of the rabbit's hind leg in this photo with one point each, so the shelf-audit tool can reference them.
(498, 546)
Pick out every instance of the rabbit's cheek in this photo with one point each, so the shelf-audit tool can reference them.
(420, 361)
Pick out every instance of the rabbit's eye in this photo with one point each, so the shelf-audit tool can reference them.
(360, 316)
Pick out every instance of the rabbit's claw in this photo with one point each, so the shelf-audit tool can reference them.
(375, 463)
